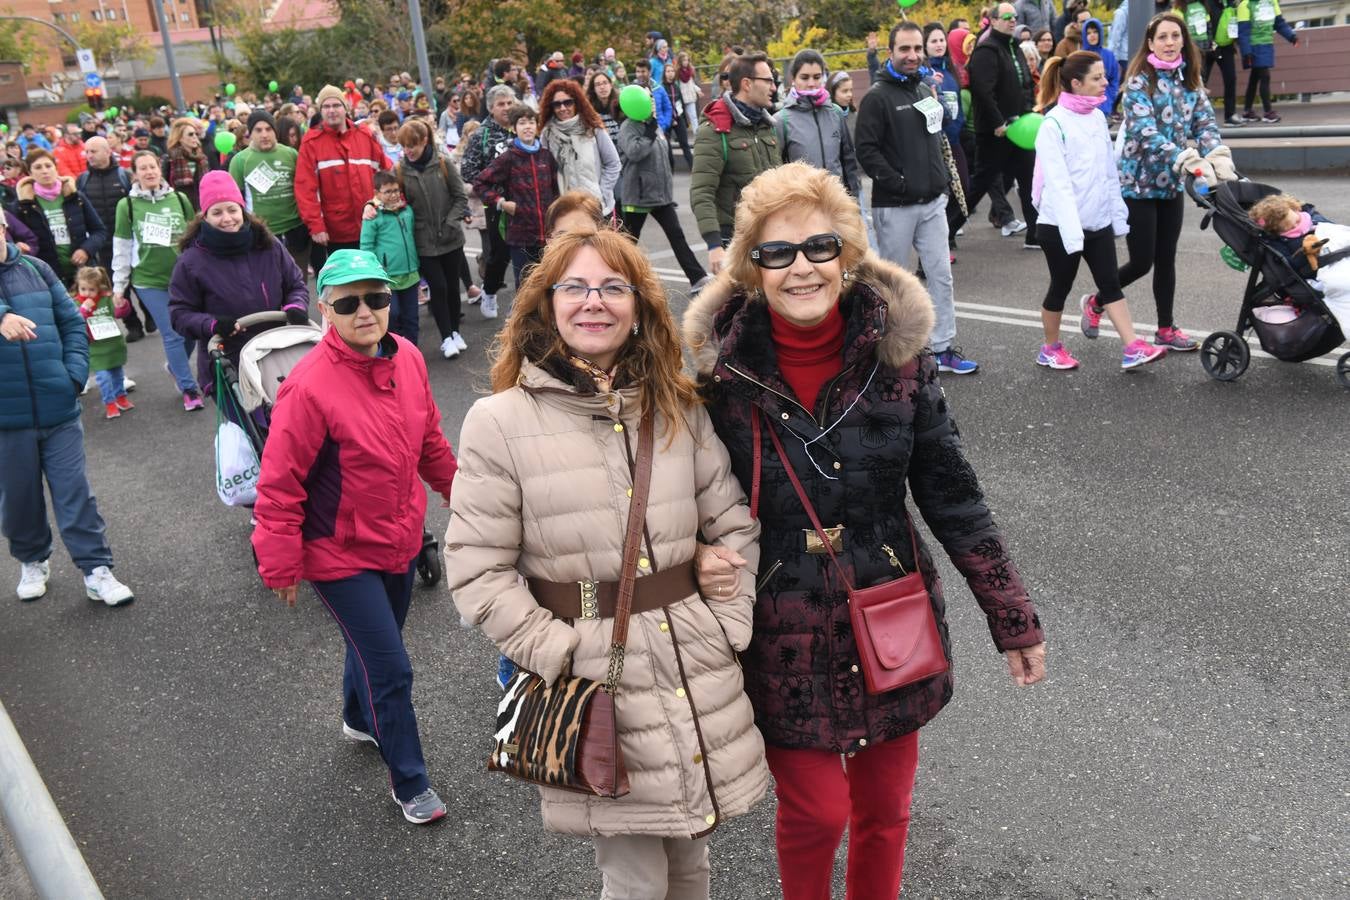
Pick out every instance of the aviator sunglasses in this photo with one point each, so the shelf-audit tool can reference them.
(346, 306)
(818, 248)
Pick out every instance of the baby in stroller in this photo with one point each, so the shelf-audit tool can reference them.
(1315, 247)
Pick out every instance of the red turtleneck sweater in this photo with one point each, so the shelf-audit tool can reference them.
(808, 357)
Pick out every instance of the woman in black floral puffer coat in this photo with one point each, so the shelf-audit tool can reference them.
(848, 335)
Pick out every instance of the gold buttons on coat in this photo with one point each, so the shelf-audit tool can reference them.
(665, 626)
(698, 758)
(629, 492)
(710, 818)
(644, 563)
(618, 426)
(679, 692)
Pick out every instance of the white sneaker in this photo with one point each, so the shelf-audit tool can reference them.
(474, 294)
(101, 585)
(33, 579)
(489, 306)
(1016, 226)
(449, 349)
(88, 383)
(128, 385)
(458, 338)
(961, 232)
(353, 734)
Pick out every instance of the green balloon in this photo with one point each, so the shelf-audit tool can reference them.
(273, 86)
(906, 4)
(636, 103)
(230, 89)
(224, 141)
(1024, 129)
(4, 129)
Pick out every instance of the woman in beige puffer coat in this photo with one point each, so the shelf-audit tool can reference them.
(543, 492)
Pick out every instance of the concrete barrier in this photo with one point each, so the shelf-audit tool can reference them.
(55, 866)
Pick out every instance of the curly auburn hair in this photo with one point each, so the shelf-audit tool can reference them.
(651, 359)
(1269, 213)
(802, 189)
(572, 89)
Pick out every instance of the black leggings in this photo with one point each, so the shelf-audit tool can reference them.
(999, 162)
(498, 256)
(1226, 58)
(442, 275)
(669, 220)
(1259, 77)
(1155, 228)
(1099, 249)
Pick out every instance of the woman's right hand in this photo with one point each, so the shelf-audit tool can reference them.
(287, 593)
(718, 570)
(1026, 665)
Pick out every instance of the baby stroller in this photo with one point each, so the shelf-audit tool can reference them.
(264, 363)
(1272, 282)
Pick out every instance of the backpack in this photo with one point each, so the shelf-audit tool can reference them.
(122, 177)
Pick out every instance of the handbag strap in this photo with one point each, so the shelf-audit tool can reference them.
(811, 510)
(632, 541)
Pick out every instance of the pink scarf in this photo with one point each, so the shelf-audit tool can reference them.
(47, 193)
(1164, 65)
(818, 97)
(1305, 225)
(1079, 103)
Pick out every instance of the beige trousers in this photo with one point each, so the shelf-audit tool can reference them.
(652, 868)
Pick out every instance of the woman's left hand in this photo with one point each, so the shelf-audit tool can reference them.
(1026, 665)
(79, 257)
(718, 570)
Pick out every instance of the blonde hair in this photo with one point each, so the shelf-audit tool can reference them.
(1268, 213)
(94, 274)
(651, 359)
(802, 189)
(176, 131)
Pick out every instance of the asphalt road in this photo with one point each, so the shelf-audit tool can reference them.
(1188, 543)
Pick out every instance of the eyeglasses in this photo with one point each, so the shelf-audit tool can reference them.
(1008, 17)
(818, 248)
(347, 306)
(567, 103)
(578, 293)
(762, 78)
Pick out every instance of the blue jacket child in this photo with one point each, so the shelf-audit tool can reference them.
(1094, 41)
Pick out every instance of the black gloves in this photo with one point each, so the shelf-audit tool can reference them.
(224, 327)
(650, 127)
(296, 316)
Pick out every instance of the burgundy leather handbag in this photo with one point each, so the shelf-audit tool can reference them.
(893, 623)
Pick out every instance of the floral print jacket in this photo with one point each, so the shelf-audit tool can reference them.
(881, 427)
(1160, 123)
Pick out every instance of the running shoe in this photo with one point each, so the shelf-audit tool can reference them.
(1031, 244)
(100, 585)
(449, 349)
(124, 403)
(1249, 116)
(1140, 352)
(488, 307)
(354, 734)
(111, 411)
(1233, 122)
(1016, 226)
(1091, 319)
(33, 580)
(1271, 117)
(697, 287)
(1054, 356)
(128, 385)
(460, 343)
(474, 294)
(1175, 339)
(425, 807)
(192, 400)
(952, 361)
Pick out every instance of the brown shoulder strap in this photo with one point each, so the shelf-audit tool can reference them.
(632, 542)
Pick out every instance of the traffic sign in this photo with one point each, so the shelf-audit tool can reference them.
(93, 80)
(85, 57)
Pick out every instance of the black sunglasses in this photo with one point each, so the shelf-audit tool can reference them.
(346, 306)
(563, 104)
(818, 248)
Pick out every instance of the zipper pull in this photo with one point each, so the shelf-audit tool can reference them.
(890, 554)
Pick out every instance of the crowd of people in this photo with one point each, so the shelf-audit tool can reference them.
(807, 326)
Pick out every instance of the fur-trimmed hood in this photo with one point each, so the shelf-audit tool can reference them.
(905, 327)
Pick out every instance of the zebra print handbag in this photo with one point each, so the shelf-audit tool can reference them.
(565, 735)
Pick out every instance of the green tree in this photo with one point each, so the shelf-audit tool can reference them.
(18, 42)
(112, 42)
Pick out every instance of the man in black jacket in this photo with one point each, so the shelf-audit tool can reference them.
(1001, 89)
(899, 145)
(105, 183)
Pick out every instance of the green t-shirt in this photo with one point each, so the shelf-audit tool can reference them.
(56, 221)
(267, 181)
(153, 227)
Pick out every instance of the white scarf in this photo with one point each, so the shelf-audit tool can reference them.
(573, 147)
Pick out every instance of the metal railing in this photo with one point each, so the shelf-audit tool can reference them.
(55, 867)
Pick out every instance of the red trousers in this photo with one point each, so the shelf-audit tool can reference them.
(819, 793)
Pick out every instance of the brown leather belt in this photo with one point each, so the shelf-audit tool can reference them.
(599, 599)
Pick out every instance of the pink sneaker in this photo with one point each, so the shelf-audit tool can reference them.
(1054, 356)
(1140, 352)
(1091, 319)
(192, 400)
(1175, 339)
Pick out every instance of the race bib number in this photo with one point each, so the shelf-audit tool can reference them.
(1198, 19)
(932, 113)
(952, 101)
(1265, 11)
(60, 233)
(157, 233)
(102, 327)
(1232, 29)
(261, 179)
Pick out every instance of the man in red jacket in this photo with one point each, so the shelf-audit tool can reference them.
(334, 177)
(341, 504)
(69, 153)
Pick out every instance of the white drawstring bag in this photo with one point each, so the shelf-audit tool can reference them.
(237, 466)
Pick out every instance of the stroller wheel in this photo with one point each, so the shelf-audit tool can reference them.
(429, 561)
(1343, 370)
(1224, 356)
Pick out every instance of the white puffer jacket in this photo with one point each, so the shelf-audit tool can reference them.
(542, 491)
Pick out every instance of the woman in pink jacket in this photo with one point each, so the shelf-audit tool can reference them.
(340, 504)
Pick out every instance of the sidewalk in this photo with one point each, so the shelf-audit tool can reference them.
(1257, 152)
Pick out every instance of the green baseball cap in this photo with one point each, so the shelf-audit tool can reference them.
(346, 266)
